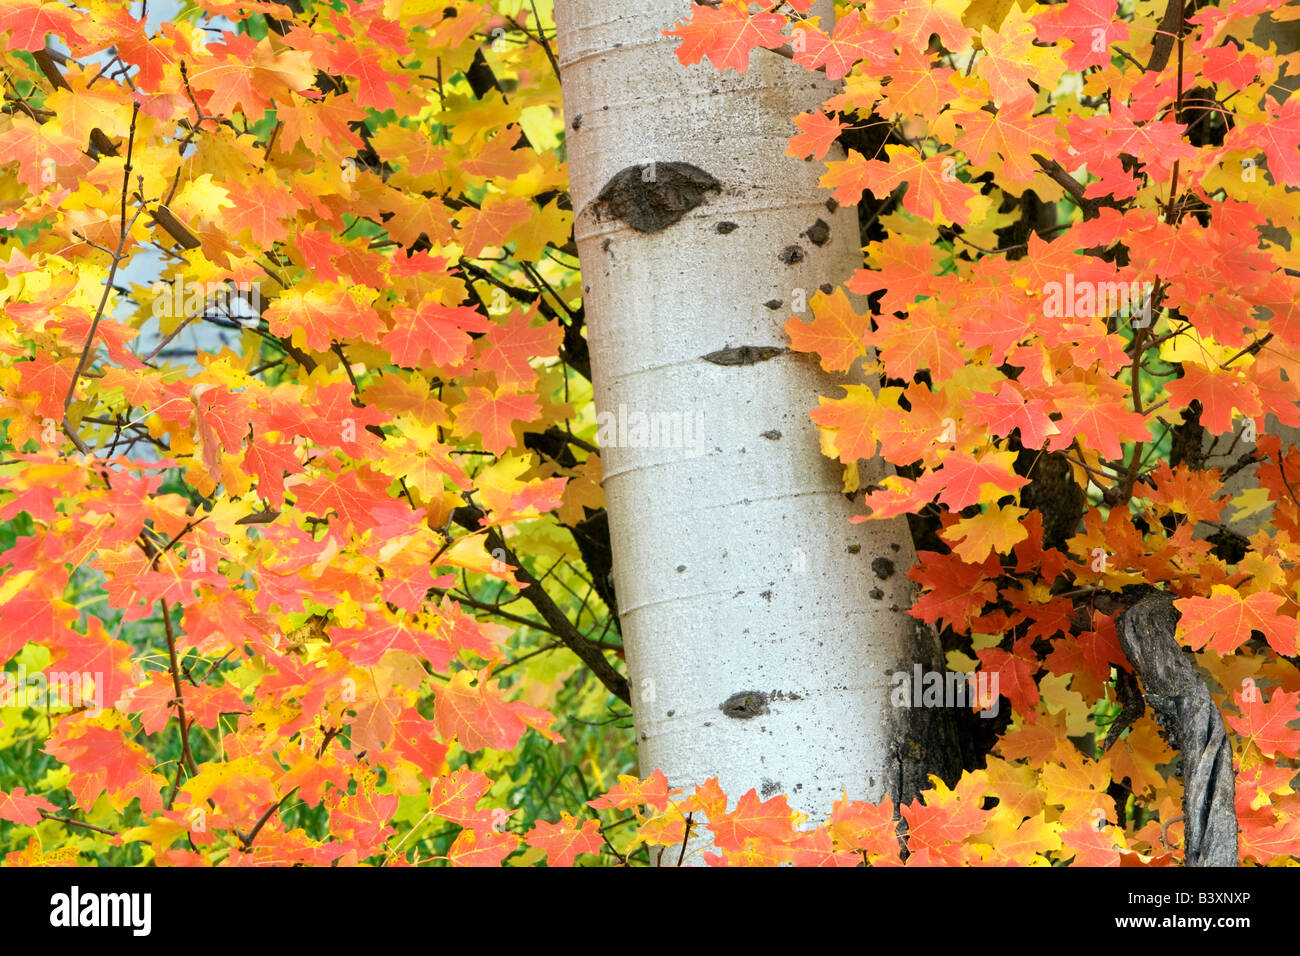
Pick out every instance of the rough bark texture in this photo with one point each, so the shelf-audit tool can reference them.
(1192, 724)
(760, 642)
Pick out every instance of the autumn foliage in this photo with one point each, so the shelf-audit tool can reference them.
(307, 552)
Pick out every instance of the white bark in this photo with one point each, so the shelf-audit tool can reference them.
(736, 567)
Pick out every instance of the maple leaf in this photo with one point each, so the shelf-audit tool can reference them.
(249, 73)
(917, 19)
(835, 333)
(818, 849)
(482, 847)
(1093, 846)
(1007, 409)
(921, 340)
(471, 708)
(352, 495)
(1091, 26)
(1218, 392)
(854, 419)
(816, 133)
(1015, 674)
(39, 149)
(258, 210)
(374, 83)
(1028, 843)
(32, 855)
(1278, 136)
(563, 841)
(94, 653)
(456, 796)
(1011, 59)
(903, 269)
(866, 828)
(753, 818)
(316, 315)
(488, 226)
(1267, 843)
(937, 830)
(360, 817)
(1265, 723)
(103, 760)
(21, 807)
(994, 530)
(493, 415)
(631, 792)
(1099, 413)
(726, 34)
(1013, 133)
(664, 829)
(434, 330)
(931, 190)
(28, 21)
(707, 799)
(956, 592)
(850, 41)
(1224, 621)
(966, 480)
(510, 347)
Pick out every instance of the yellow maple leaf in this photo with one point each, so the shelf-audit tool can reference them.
(998, 529)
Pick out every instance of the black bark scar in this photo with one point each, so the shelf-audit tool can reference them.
(653, 196)
(744, 705)
(744, 354)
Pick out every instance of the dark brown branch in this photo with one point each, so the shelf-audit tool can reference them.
(533, 592)
(77, 823)
(1192, 724)
(1166, 31)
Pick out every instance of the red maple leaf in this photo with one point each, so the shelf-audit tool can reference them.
(726, 34)
(105, 760)
(22, 807)
(30, 20)
(963, 478)
(1279, 138)
(932, 190)
(1224, 620)
(456, 797)
(510, 346)
(835, 333)
(493, 415)
(754, 819)
(1091, 26)
(1100, 412)
(1016, 672)
(631, 793)
(563, 841)
(816, 133)
(1264, 724)
(1219, 392)
(433, 329)
(851, 40)
(482, 847)
(473, 709)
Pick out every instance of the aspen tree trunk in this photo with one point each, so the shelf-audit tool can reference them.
(761, 627)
